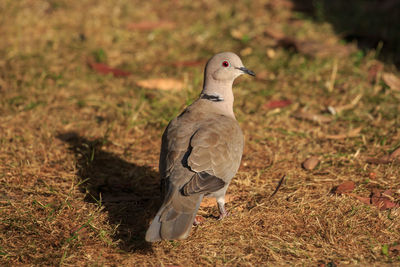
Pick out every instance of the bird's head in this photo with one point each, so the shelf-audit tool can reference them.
(226, 67)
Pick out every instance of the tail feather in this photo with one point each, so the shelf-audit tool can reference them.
(172, 224)
(153, 233)
(179, 228)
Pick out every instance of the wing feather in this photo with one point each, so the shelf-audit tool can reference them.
(216, 148)
(202, 183)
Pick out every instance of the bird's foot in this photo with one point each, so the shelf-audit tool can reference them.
(223, 215)
(198, 220)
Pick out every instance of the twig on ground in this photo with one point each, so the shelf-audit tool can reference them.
(279, 186)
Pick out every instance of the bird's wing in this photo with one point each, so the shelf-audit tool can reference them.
(214, 154)
(175, 142)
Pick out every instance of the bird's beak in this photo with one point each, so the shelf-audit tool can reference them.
(249, 72)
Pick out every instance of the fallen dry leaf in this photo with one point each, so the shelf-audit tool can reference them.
(395, 249)
(391, 80)
(382, 201)
(382, 160)
(365, 200)
(345, 187)
(105, 69)
(310, 163)
(395, 154)
(150, 25)
(161, 84)
(378, 199)
(352, 133)
(312, 117)
(277, 104)
(211, 202)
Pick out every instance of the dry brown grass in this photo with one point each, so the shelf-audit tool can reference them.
(79, 150)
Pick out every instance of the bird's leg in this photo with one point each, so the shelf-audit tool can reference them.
(221, 207)
(198, 220)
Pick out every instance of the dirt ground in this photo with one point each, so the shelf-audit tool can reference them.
(87, 88)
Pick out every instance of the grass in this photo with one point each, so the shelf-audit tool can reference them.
(79, 150)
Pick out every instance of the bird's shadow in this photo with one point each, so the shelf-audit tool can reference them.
(128, 192)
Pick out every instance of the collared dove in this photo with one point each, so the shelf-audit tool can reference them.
(200, 152)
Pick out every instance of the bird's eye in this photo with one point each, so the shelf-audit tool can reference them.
(225, 64)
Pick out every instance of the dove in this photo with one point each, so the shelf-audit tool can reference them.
(200, 153)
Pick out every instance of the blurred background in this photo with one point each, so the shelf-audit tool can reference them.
(87, 88)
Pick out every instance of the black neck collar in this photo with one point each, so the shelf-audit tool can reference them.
(213, 98)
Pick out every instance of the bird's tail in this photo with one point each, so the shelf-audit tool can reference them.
(175, 218)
